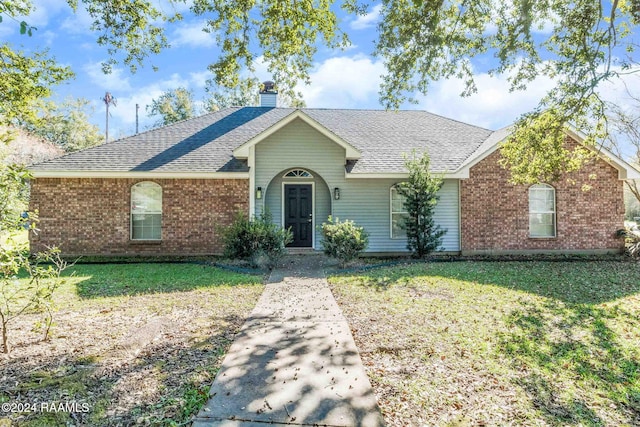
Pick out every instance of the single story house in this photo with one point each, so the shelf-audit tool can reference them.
(169, 190)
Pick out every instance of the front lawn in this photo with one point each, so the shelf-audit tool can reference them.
(499, 343)
(133, 343)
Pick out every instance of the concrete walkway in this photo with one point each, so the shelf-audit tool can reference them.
(294, 361)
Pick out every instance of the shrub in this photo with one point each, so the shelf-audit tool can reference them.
(632, 240)
(257, 240)
(343, 240)
(420, 192)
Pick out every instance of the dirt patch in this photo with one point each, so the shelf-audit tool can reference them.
(146, 359)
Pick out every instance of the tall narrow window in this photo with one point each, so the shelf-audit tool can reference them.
(146, 211)
(542, 211)
(398, 215)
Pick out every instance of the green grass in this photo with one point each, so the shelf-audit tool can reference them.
(497, 343)
(108, 280)
(99, 352)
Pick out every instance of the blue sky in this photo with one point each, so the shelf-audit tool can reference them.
(340, 79)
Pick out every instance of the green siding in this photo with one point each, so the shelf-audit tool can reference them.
(365, 201)
(298, 145)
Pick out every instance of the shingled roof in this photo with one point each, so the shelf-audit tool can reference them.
(206, 143)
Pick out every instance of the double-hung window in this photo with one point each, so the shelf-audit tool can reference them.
(542, 211)
(146, 211)
(398, 215)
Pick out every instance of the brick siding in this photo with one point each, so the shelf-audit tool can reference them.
(91, 216)
(495, 214)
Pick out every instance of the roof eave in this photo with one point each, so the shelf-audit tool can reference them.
(625, 170)
(137, 174)
(403, 175)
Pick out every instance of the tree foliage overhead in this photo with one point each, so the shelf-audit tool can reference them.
(66, 124)
(172, 106)
(576, 44)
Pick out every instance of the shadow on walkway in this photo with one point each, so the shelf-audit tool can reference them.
(294, 361)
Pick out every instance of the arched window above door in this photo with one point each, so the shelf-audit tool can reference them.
(297, 173)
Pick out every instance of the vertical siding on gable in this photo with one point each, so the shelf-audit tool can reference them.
(367, 202)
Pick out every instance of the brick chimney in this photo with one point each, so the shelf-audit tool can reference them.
(268, 95)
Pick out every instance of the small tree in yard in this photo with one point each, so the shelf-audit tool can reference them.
(421, 197)
(343, 240)
(34, 292)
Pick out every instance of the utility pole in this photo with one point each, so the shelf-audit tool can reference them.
(108, 100)
(137, 108)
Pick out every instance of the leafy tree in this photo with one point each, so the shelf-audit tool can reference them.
(172, 106)
(246, 93)
(66, 125)
(420, 194)
(220, 97)
(587, 42)
(24, 81)
(578, 44)
(626, 133)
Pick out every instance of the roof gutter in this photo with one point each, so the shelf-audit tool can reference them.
(138, 175)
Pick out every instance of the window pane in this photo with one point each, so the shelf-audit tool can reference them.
(397, 202)
(146, 226)
(542, 225)
(397, 220)
(146, 197)
(541, 199)
(542, 211)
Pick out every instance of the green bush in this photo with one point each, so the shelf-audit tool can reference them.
(632, 240)
(257, 240)
(343, 240)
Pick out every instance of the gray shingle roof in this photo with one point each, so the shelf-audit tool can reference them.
(206, 143)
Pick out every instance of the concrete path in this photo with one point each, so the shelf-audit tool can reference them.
(294, 361)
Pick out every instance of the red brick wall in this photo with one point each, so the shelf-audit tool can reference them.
(495, 214)
(91, 215)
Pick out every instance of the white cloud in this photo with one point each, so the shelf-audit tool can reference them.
(191, 34)
(43, 11)
(79, 22)
(49, 37)
(344, 82)
(115, 81)
(493, 106)
(125, 111)
(199, 79)
(369, 20)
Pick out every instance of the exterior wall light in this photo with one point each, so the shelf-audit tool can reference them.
(259, 193)
(336, 193)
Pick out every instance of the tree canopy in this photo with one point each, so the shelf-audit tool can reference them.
(577, 44)
(172, 106)
(65, 124)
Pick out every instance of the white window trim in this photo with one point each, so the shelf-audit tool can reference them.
(391, 213)
(299, 174)
(554, 212)
(155, 213)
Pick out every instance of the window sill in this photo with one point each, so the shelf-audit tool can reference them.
(543, 237)
(145, 242)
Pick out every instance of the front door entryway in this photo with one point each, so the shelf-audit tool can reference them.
(298, 214)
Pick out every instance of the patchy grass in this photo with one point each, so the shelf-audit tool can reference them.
(511, 343)
(134, 343)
